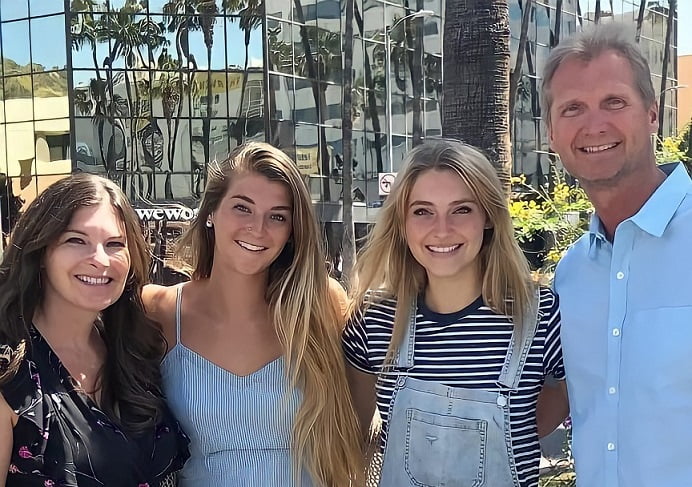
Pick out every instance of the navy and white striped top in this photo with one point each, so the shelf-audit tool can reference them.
(465, 349)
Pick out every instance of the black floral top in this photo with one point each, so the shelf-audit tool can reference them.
(62, 438)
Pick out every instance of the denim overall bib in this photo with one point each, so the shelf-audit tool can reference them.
(442, 436)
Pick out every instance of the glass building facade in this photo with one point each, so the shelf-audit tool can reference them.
(148, 93)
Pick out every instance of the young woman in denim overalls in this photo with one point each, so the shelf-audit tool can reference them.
(449, 337)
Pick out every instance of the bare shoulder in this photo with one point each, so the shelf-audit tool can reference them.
(159, 304)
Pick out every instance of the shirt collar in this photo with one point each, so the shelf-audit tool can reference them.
(658, 210)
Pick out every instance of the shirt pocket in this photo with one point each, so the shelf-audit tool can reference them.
(444, 450)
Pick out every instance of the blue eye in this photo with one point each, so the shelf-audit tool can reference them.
(116, 244)
(421, 212)
(74, 240)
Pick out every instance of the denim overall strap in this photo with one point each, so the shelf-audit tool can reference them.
(520, 346)
(404, 357)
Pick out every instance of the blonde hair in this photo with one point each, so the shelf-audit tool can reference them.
(387, 266)
(326, 440)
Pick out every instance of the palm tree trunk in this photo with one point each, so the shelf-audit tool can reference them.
(558, 22)
(348, 239)
(597, 12)
(476, 60)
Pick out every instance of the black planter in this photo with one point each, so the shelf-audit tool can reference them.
(537, 248)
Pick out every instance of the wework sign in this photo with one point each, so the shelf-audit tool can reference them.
(167, 213)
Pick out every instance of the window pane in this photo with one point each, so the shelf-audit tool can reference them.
(18, 98)
(50, 95)
(45, 7)
(15, 46)
(14, 9)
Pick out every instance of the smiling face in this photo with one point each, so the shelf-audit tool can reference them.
(252, 223)
(600, 126)
(444, 227)
(87, 267)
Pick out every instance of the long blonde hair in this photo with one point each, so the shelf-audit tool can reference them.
(325, 433)
(386, 264)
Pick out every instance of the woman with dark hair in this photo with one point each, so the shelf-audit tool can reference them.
(80, 387)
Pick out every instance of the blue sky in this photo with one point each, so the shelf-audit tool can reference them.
(684, 31)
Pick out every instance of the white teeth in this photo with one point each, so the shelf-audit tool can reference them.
(598, 148)
(248, 246)
(94, 281)
(443, 250)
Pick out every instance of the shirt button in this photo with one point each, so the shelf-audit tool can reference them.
(616, 332)
(611, 390)
(620, 275)
(611, 446)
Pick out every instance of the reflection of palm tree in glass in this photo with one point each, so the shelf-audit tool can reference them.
(180, 17)
(319, 61)
(207, 11)
(372, 99)
(250, 14)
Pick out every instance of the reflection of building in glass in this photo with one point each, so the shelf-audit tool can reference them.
(150, 92)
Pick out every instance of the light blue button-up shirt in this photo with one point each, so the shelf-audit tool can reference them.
(627, 344)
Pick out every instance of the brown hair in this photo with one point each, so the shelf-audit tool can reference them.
(130, 378)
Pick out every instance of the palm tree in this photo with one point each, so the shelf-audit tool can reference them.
(476, 59)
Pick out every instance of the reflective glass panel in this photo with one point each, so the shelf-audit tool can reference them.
(18, 98)
(280, 45)
(239, 53)
(21, 152)
(281, 98)
(279, 8)
(51, 55)
(50, 95)
(15, 46)
(305, 107)
(83, 43)
(13, 9)
(45, 7)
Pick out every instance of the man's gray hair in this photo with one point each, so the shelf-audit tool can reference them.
(589, 44)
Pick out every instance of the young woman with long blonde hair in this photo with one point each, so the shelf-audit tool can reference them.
(254, 370)
(449, 338)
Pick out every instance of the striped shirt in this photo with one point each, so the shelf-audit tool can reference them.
(464, 349)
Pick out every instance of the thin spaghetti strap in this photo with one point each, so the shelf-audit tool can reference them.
(178, 312)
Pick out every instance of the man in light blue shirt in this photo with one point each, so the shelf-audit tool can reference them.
(625, 287)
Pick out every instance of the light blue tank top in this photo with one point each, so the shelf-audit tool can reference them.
(239, 426)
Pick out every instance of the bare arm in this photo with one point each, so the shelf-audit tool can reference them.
(552, 408)
(159, 305)
(7, 421)
(363, 393)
